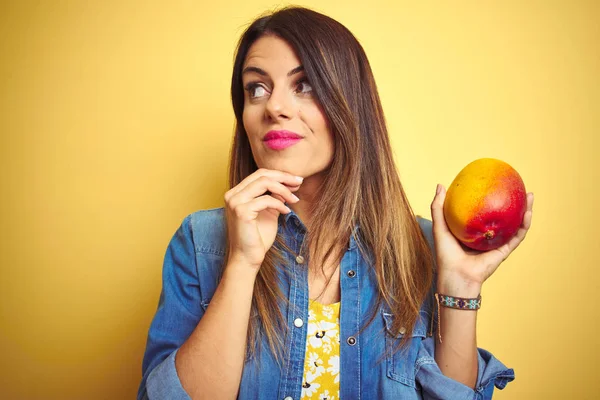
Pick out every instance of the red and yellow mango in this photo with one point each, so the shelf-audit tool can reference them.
(485, 204)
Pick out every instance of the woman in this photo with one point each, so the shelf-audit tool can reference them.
(316, 280)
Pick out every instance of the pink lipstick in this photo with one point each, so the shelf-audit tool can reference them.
(279, 140)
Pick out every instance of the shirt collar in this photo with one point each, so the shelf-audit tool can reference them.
(292, 219)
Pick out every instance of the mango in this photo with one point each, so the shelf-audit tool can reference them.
(485, 204)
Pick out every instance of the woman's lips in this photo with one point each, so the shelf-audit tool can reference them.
(279, 140)
(281, 143)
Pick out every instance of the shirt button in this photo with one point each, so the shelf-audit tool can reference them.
(298, 322)
(402, 330)
(351, 273)
(300, 260)
(297, 223)
(289, 398)
(351, 341)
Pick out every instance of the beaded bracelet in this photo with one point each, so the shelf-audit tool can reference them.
(458, 303)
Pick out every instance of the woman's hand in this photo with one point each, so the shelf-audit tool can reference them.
(252, 213)
(461, 270)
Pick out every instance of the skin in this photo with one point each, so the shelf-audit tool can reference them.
(278, 101)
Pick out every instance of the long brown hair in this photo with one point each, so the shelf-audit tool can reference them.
(361, 187)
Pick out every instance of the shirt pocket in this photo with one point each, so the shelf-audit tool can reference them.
(401, 364)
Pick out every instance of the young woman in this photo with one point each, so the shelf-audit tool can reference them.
(316, 280)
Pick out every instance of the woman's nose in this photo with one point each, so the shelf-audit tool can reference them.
(280, 105)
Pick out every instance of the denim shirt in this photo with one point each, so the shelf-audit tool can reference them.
(191, 271)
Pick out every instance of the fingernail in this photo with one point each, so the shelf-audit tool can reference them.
(299, 178)
(438, 188)
(295, 197)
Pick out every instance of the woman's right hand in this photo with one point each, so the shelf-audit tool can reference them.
(252, 214)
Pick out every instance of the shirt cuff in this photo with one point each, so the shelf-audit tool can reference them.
(491, 373)
(163, 382)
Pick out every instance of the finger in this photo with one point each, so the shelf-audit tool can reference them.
(279, 176)
(530, 201)
(529, 213)
(278, 197)
(250, 210)
(437, 212)
(260, 187)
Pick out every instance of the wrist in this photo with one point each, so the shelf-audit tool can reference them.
(458, 286)
(241, 260)
(240, 269)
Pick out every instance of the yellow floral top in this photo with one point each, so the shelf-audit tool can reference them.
(322, 361)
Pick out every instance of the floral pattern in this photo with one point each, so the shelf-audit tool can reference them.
(322, 362)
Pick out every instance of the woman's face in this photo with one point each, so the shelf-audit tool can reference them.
(286, 127)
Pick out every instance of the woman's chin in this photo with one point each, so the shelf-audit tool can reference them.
(283, 167)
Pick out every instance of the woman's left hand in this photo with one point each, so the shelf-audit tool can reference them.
(463, 270)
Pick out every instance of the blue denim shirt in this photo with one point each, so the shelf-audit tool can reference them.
(191, 268)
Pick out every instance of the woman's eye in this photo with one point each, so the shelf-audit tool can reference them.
(255, 90)
(304, 86)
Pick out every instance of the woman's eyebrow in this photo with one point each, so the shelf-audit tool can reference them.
(260, 71)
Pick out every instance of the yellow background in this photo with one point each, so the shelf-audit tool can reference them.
(115, 124)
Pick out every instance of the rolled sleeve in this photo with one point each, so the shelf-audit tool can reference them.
(163, 382)
(435, 385)
(178, 313)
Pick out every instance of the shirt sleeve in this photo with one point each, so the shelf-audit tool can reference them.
(435, 385)
(178, 313)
